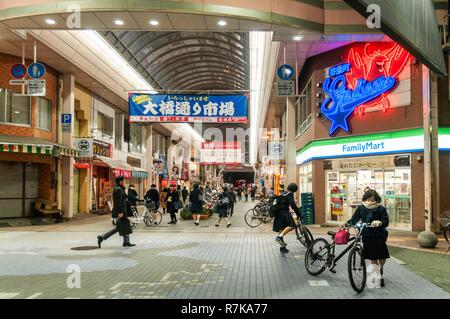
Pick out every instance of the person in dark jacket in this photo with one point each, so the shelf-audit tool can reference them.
(132, 195)
(119, 211)
(184, 195)
(223, 209)
(172, 197)
(196, 207)
(245, 191)
(374, 238)
(153, 195)
(253, 193)
(283, 222)
(232, 196)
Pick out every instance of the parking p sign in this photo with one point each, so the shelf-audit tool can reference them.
(66, 122)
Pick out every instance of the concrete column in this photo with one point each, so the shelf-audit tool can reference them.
(67, 162)
(431, 150)
(291, 169)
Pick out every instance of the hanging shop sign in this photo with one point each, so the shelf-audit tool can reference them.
(407, 141)
(221, 153)
(369, 75)
(188, 108)
(276, 150)
(85, 145)
(102, 148)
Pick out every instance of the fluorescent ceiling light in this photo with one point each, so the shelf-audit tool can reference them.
(222, 23)
(154, 22)
(118, 22)
(50, 21)
(298, 38)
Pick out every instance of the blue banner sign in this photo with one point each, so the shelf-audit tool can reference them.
(181, 108)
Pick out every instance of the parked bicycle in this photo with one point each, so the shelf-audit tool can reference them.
(258, 214)
(151, 216)
(444, 219)
(321, 255)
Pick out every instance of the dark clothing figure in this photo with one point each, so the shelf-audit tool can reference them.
(253, 194)
(284, 218)
(196, 203)
(232, 196)
(119, 201)
(246, 194)
(132, 196)
(184, 194)
(374, 239)
(172, 197)
(223, 210)
(153, 195)
(239, 191)
(124, 226)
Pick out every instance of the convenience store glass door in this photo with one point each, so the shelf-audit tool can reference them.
(397, 197)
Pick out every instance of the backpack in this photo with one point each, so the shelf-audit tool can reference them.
(277, 202)
(224, 201)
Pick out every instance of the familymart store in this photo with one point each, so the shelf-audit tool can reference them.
(338, 171)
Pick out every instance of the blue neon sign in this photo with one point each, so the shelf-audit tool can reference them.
(342, 102)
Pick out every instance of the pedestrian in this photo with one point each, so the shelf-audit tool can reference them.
(283, 221)
(239, 192)
(133, 196)
(173, 203)
(120, 212)
(184, 195)
(163, 199)
(246, 194)
(374, 238)
(253, 193)
(223, 205)
(232, 196)
(124, 228)
(153, 195)
(196, 207)
(208, 189)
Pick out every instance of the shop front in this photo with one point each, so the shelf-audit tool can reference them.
(339, 170)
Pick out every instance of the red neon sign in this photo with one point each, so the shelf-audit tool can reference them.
(370, 61)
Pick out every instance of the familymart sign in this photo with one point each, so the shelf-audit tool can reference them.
(408, 141)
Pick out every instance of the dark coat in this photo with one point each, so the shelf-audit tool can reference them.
(174, 196)
(223, 209)
(119, 201)
(132, 197)
(366, 215)
(124, 226)
(284, 219)
(196, 204)
(232, 196)
(185, 194)
(153, 195)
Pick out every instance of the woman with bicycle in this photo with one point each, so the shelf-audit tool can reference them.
(283, 221)
(374, 238)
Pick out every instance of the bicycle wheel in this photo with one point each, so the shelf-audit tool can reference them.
(252, 219)
(305, 238)
(357, 269)
(153, 219)
(447, 233)
(316, 256)
(132, 224)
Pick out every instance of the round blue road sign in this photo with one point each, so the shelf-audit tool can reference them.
(285, 72)
(36, 70)
(18, 71)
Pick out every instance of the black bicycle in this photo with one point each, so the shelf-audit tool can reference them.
(321, 255)
(304, 236)
(258, 214)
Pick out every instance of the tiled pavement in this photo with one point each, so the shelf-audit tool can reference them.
(179, 261)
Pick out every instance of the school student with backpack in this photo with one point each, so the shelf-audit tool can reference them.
(223, 205)
(283, 220)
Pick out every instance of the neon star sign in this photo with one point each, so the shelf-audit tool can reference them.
(369, 74)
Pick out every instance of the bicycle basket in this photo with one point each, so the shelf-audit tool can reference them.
(150, 205)
(444, 219)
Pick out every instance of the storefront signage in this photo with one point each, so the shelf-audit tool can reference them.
(188, 108)
(408, 141)
(36, 87)
(66, 122)
(369, 74)
(220, 153)
(276, 150)
(135, 162)
(366, 163)
(102, 148)
(84, 145)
